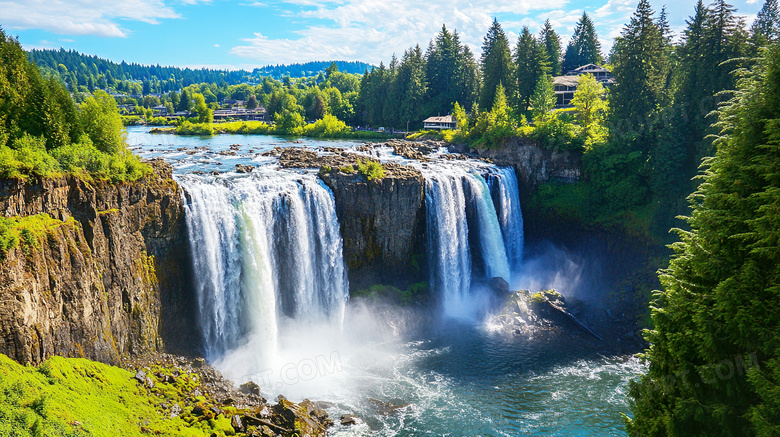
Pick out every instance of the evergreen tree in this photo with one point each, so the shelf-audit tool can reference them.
(530, 65)
(766, 27)
(584, 47)
(496, 65)
(552, 44)
(411, 82)
(663, 25)
(714, 354)
(467, 78)
(184, 101)
(443, 64)
(640, 67)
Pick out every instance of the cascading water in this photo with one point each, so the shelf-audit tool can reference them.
(265, 248)
(503, 182)
(453, 193)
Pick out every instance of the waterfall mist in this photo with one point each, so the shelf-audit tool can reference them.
(267, 257)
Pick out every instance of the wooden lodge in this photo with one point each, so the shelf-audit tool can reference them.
(446, 122)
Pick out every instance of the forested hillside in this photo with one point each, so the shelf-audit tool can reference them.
(91, 72)
(43, 132)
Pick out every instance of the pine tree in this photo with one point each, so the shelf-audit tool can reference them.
(468, 80)
(496, 65)
(552, 44)
(543, 98)
(443, 64)
(412, 86)
(530, 66)
(715, 346)
(766, 27)
(584, 47)
(640, 67)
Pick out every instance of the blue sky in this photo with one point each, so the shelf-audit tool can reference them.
(253, 33)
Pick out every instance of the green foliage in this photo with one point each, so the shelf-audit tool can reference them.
(199, 129)
(73, 397)
(28, 231)
(714, 349)
(497, 66)
(415, 293)
(584, 47)
(530, 66)
(591, 107)
(543, 99)
(496, 126)
(557, 131)
(552, 44)
(371, 169)
(87, 162)
(27, 157)
(328, 127)
(100, 121)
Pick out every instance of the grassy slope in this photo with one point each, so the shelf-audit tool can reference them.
(78, 397)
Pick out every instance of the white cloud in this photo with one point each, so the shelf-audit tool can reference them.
(372, 30)
(82, 17)
(216, 45)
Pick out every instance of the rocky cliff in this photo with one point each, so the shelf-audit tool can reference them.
(110, 276)
(533, 164)
(382, 220)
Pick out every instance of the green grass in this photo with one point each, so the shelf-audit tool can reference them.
(28, 231)
(328, 127)
(78, 397)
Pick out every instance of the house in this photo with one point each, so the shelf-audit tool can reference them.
(566, 86)
(160, 109)
(446, 122)
(600, 73)
(240, 114)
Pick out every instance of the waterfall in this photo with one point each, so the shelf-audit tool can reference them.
(453, 195)
(265, 248)
(503, 182)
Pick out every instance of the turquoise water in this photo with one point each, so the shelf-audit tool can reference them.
(449, 378)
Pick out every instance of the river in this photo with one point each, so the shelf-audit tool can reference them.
(404, 372)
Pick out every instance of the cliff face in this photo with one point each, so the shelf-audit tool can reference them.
(382, 222)
(533, 164)
(106, 281)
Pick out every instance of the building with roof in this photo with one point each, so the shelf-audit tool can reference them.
(566, 86)
(446, 122)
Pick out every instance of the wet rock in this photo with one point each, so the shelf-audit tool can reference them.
(250, 388)
(244, 168)
(385, 408)
(198, 362)
(499, 285)
(348, 420)
(237, 424)
(140, 376)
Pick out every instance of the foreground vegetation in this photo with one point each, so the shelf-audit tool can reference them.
(715, 353)
(44, 134)
(77, 397)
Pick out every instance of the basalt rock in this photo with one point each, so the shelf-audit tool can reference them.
(109, 282)
(382, 220)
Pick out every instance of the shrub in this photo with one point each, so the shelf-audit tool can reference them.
(371, 169)
(27, 157)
